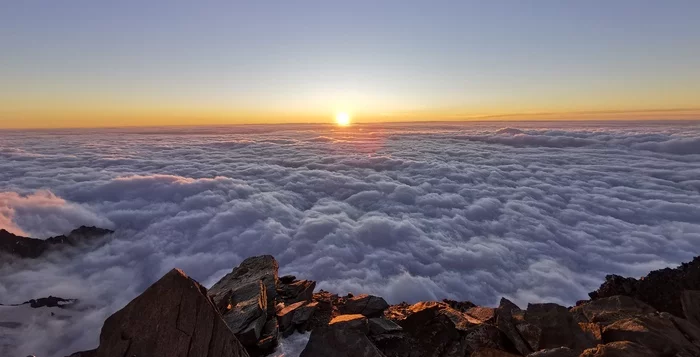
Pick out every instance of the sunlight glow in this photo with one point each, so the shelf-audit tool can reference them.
(342, 119)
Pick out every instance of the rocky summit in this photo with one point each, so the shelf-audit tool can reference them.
(250, 309)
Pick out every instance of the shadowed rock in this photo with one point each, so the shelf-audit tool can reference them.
(367, 305)
(25, 247)
(173, 317)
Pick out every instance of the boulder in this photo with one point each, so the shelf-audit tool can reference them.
(506, 323)
(173, 317)
(303, 315)
(344, 336)
(608, 310)
(380, 325)
(661, 289)
(554, 352)
(298, 290)
(690, 302)
(559, 329)
(618, 349)
(367, 305)
(285, 317)
(654, 332)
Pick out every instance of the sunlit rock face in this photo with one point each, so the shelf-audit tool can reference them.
(406, 212)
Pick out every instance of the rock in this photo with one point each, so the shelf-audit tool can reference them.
(367, 305)
(618, 349)
(355, 322)
(490, 352)
(689, 330)
(482, 314)
(287, 279)
(654, 332)
(173, 317)
(480, 337)
(25, 247)
(299, 290)
(505, 322)
(285, 318)
(269, 340)
(558, 327)
(88, 353)
(462, 306)
(50, 301)
(610, 309)
(303, 314)
(530, 333)
(661, 289)
(380, 325)
(246, 298)
(690, 302)
(554, 352)
(336, 341)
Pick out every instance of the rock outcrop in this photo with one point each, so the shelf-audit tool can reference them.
(173, 317)
(661, 289)
(253, 305)
(25, 247)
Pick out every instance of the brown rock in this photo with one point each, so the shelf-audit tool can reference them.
(618, 349)
(654, 332)
(367, 305)
(251, 270)
(482, 314)
(490, 352)
(355, 322)
(558, 327)
(173, 317)
(530, 333)
(554, 352)
(690, 302)
(506, 323)
(285, 317)
(610, 309)
(298, 290)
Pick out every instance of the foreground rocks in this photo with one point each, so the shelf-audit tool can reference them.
(24, 247)
(173, 317)
(249, 310)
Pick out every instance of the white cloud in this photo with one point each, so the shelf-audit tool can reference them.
(467, 212)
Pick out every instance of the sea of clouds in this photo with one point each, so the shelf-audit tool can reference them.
(471, 211)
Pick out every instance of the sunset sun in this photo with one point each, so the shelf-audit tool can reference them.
(342, 119)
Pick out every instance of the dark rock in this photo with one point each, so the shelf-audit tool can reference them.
(287, 279)
(661, 289)
(89, 353)
(462, 306)
(355, 322)
(50, 301)
(690, 302)
(482, 314)
(619, 349)
(246, 299)
(554, 352)
(530, 333)
(654, 332)
(336, 341)
(367, 305)
(380, 325)
(299, 290)
(285, 318)
(173, 317)
(558, 327)
(491, 352)
(25, 247)
(269, 340)
(303, 315)
(610, 309)
(506, 323)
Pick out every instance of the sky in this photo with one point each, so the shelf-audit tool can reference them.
(80, 63)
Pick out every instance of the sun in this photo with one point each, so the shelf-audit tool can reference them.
(342, 119)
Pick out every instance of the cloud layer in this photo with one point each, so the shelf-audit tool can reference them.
(537, 212)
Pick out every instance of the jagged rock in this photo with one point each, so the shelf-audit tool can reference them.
(25, 247)
(618, 349)
(246, 298)
(345, 336)
(303, 315)
(690, 302)
(462, 306)
(530, 333)
(367, 305)
(173, 317)
(482, 314)
(380, 325)
(491, 352)
(610, 309)
(287, 279)
(554, 352)
(481, 337)
(654, 332)
(285, 317)
(354, 322)
(299, 290)
(269, 340)
(506, 323)
(593, 331)
(559, 329)
(660, 289)
(51, 301)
